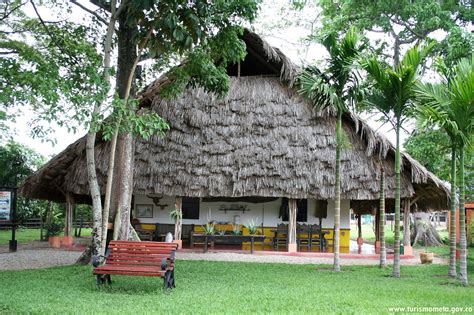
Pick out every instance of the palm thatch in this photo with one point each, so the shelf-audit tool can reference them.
(262, 139)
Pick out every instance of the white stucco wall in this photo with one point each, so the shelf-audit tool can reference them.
(268, 212)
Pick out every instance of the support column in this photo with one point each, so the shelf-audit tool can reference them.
(360, 240)
(408, 250)
(67, 240)
(292, 248)
(178, 221)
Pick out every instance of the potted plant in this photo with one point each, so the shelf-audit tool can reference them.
(236, 230)
(53, 229)
(425, 257)
(209, 228)
(252, 227)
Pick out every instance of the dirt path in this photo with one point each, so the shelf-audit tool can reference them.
(45, 257)
(37, 259)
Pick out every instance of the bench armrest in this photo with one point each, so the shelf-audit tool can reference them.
(167, 262)
(96, 261)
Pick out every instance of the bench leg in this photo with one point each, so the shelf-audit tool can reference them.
(99, 280)
(169, 280)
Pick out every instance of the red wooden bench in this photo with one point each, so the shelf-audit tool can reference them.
(129, 258)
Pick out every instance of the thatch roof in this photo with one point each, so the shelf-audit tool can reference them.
(262, 139)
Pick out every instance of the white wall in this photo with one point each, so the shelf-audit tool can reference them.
(268, 212)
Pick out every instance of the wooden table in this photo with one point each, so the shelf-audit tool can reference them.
(226, 239)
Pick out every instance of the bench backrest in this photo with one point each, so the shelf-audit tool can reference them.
(140, 253)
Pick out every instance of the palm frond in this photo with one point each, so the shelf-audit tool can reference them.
(450, 105)
(318, 90)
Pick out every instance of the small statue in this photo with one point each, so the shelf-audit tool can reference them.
(169, 237)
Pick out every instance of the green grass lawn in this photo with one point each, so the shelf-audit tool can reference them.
(24, 236)
(369, 235)
(223, 287)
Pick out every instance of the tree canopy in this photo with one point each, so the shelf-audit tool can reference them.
(51, 67)
(405, 22)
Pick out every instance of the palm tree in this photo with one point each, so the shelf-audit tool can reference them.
(334, 90)
(383, 251)
(393, 94)
(450, 105)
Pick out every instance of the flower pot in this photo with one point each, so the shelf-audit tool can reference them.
(67, 240)
(54, 241)
(360, 241)
(426, 258)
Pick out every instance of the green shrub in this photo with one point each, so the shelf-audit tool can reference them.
(54, 227)
(209, 228)
(252, 227)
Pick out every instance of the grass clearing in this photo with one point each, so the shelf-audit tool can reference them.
(223, 287)
(24, 236)
(369, 235)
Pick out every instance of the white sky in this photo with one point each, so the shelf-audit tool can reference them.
(275, 24)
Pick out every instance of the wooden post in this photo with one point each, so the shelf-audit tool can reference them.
(406, 228)
(360, 240)
(359, 226)
(178, 221)
(292, 248)
(67, 240)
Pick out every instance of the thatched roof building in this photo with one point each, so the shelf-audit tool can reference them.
(262, 139)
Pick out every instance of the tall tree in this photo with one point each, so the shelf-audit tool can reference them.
(431, 147)
(450, 105)
(335, 89)
(405, 23)
(383, 249)
(202, 35)
(393, 95)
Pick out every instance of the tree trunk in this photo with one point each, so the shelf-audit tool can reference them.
(108, 49)
(124, 185)
(424, 233)
(377, 225)
(462, 221)
(98, 233)
(95, 194)
(122, 188)
(396, 249)
(86, 256)
(383, 252)
(452, 218)
(292, 209)
(178, 219)
(337, 202)
(396, 51)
